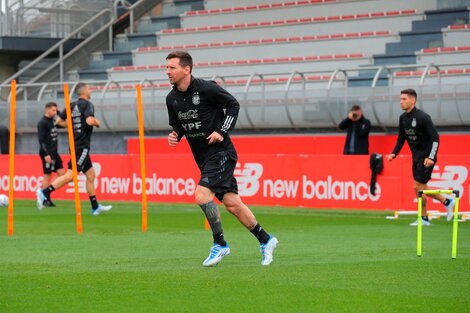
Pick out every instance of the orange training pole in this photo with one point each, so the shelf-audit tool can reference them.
(73, 157)
(12, 157)
(140, 120)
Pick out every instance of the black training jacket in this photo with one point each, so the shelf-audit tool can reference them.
(47, 136)
(418, 130)
(81, 109)
(204, 108)
(361, 130)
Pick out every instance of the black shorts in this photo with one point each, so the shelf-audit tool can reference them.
(83, 160)
(55, 165)
(217, 175)
(421, 173)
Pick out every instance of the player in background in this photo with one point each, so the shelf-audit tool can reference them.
(416, 128)
(48, 145)
(205, 113)
(83, 120)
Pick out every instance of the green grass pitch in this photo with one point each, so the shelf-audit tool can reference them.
(326, 261)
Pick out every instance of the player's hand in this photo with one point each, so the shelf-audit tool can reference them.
(98, 124)
(215, 137)
(172, 139)
(48, 159)
(350, 116)
(391, 156)
(428, 162)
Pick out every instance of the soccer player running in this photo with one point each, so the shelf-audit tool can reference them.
(83, 120)
(50, 158)
(205, 113)
(416, 128)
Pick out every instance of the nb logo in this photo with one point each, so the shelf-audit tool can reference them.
(248, 178)
(82, 180)
(451, 177)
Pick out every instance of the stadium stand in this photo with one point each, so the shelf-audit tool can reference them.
(449, 55)
(293, 10)
(305, 61)
(455, 35)
(365, 22)
(240, 67)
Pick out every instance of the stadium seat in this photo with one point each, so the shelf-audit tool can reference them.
(370, 42)
(293, 10)
(364, 22)
(456, 35)
(247, 67)
(447, 55)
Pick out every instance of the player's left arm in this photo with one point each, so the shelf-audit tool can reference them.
(60, 122)
(89, 114)
(231, 106)
(434, 136)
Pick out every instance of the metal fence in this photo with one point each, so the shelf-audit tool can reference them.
(48, 18)
(296, 103)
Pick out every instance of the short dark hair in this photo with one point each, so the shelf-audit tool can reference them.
(79, 87)
(355, 107)
(410, 92)
(185, 58)
(50, 105)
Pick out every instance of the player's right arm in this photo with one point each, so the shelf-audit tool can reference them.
(93, 121)
(178, 131)
(89, 113)
(42, 137)
(61, 122)
(172, 139)
(400, 142)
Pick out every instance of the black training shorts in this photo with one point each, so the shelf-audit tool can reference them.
(421, 173)
(83, 160)
(217, 175)
(56, 163)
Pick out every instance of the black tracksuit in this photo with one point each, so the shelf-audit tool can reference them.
(204, 108)
(417, 129)
(360, 131)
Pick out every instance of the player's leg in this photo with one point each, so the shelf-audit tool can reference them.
(448, 203)
(234, 204)
(46, 181)
(423, 175)
(89, 171)
(58, 168)
(44, 194)
(47, 171)
(205, 199)
(417, 187)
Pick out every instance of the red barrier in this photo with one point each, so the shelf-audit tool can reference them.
(301, 144)
(317, 181)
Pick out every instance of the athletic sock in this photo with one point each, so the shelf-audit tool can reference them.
(94, 202)
(446, 202)
(47, 192)
(219, 239)
(425, 218)
(260, 233)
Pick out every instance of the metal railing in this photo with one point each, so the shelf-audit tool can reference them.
(46, 18)
(106, 20)
(296, 103)
(136, 10)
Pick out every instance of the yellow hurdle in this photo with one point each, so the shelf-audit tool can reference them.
(419, 246)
